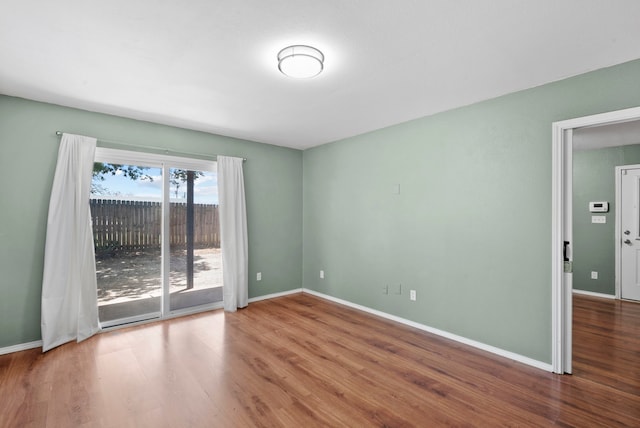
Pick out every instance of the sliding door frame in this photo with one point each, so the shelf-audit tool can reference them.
(165, 163)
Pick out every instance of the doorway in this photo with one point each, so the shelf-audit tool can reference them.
(156, 236)
(562, 228)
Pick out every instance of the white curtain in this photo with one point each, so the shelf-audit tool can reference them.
(69, 295)
(233, 233)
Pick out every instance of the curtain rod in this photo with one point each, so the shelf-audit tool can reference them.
(162, 149)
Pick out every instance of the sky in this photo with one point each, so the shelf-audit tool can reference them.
(120, 187)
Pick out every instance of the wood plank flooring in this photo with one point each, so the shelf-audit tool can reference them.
(607, 342)
(302, 361)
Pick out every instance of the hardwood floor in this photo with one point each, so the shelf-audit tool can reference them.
(302, 361)
(606, 347)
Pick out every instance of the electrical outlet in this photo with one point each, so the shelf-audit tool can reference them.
(385, 289)
(594, 275)
(321, 274)
(412, 295)
(259, 276)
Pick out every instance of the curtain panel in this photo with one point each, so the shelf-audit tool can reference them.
(233, 233)
(69, 289)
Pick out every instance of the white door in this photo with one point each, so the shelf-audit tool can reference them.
(630, 233)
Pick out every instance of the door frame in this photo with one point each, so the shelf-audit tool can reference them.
(163, 162)
(562, 230)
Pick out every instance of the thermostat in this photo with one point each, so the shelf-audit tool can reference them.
(599, 207)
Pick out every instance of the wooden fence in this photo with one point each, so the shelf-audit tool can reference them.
(137, 225)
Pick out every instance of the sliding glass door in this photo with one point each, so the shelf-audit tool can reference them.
(156, 236)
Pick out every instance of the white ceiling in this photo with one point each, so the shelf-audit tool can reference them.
(211, 65)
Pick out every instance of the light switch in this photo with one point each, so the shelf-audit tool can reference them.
(598, 219)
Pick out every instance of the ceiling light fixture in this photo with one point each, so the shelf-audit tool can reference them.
(300, 61)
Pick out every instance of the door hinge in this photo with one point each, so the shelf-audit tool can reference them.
(568, 267)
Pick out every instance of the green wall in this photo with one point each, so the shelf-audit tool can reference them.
(470, 230)
(28, 152)
(594, 244)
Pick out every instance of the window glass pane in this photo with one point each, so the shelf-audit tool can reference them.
(126, 210)
(196, 262)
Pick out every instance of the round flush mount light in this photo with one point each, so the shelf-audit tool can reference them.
(300, 61)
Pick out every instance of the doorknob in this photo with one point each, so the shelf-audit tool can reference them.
(626, 232)
(626, 241)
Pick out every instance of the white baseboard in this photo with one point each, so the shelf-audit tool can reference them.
(593, 294)
(274, 295)
(21, 347)
(501, 352)
(460, 339)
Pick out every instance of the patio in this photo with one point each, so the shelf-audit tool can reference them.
(129, 283)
